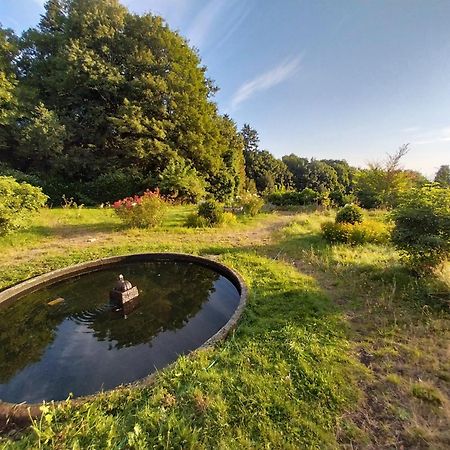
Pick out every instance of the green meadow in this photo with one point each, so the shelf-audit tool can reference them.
(339, 346)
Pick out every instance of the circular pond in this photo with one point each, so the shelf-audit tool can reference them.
(67, 337)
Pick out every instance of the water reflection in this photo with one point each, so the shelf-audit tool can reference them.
(81, 345)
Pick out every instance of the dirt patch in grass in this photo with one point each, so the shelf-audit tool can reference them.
(257, 232)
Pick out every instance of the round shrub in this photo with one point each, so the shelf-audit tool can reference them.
(422, 228)
(143, 211)
(211, 211)
(349, 214)
(17, 201)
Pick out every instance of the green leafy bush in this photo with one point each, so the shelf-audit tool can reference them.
(251, 203)
(295, 198)
(285, 198)
(349, 214)
(211, 211)
(209, 215)
(340, 198)
(182, 182)
(369, 231)
(309, 196)
(17, 201)
(143, 211)
(195, 221)
(422, 227)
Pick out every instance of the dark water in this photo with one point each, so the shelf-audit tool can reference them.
(81, 345)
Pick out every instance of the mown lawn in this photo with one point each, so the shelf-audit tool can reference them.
(338, 346)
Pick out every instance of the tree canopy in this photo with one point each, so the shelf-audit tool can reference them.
(111, 91)
(443, 176)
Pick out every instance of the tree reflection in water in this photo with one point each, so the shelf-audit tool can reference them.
(170, 294)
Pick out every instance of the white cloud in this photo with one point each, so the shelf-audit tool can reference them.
(265, 81)
(433, 137)
(202, 24)
(237, 16)
(410, 130)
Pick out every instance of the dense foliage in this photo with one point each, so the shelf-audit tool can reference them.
(97, 104)
(358, 233)
(350, 227)
(251, 204)
(17, 201)
(105, 91)
(182, 182)
(422, 227)
(349, 214)
(382, 184)
(265, 172)
(211, 211)
(443, 176)
(295, 198)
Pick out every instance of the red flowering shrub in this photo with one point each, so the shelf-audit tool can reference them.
(143, 211)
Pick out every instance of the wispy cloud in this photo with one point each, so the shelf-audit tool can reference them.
(433, 136)
(410, 130)
(236, 17)
(266, 80)
(203, 23)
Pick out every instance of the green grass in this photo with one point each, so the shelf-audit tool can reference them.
(283, 378)
(330, 350)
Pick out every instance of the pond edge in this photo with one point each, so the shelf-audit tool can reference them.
(21, 414)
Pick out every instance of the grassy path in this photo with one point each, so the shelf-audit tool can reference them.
(338, 347)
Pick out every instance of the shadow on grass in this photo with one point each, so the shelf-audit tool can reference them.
(74, 230)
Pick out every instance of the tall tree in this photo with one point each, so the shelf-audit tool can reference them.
(261, 167)
(8, 88)
(130, 95)
(299, 168)
(322, 177)
(250, 137)
(443, 176)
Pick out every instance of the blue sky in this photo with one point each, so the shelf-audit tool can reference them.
(341, 79)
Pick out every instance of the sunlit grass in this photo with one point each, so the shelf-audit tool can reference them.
(286, 378)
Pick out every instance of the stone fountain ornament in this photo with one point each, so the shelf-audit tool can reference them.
(124, 295)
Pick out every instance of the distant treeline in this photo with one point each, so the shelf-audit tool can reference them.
(97, 103)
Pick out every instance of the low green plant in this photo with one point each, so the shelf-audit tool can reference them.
(422, 228)
(211, 211)
(370, 231)
(349, 214)
(17, 202)
(143, 211)
(427, 392)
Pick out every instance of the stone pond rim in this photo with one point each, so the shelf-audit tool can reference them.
(20, 414)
